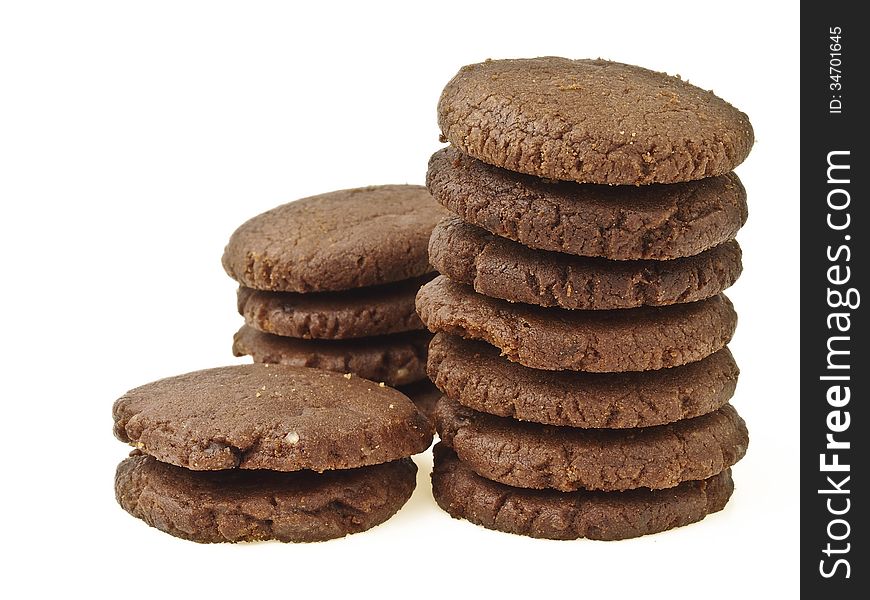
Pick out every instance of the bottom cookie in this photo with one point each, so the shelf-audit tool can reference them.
(395, 359)
(245, 506)
(570, 515)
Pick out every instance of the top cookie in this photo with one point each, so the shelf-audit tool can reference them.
(273, 417)
(336, 241)
(591, 121)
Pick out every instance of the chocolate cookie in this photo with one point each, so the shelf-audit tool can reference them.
(424, 395)
(336, 241)
(637, 339)
(395, 359)
(247, 506)
(591, 121)
(474, 374)
(500, 268)
(571, 515)
(270, 417)
(369, 311)
(620, 223)
(538, 456)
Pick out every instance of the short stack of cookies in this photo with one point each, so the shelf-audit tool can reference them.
(266, 452)
(580, 324)
(329, 281)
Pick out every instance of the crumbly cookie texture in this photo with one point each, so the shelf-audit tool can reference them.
(637, 339)
(395, 359)
(499, 268)
(336, 241)
(249, 506)
(364, 312)
(657, 222)
(567, 459)
(473, 374)
(566, 516)
(274, 417)
(591, 121)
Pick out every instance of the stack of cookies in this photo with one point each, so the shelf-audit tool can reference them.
(260, 452)
(329, 281)
(580, 324)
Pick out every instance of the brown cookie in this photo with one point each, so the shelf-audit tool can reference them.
(363, 312)
(570, 515)
(336, 241)
(270, 417)
(657, 222)
(395, 359)
(637, 339)
(591, 121)
(539, 456)
(474, 374)
(424, 395)
(249, 506)
(500, 268)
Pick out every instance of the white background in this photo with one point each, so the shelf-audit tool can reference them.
(134, 137)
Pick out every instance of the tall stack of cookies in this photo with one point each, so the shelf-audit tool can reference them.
(329, 282)
(580, 324)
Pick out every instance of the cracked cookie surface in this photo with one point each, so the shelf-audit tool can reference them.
(636, 339)
(336, 241)
(274, 417)
(567, 459)
(248, 506)
(369, 311)
(395, 359)
(591, 121)
(620, 223)
(474, 374)
(500, 268)
(570, 515)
